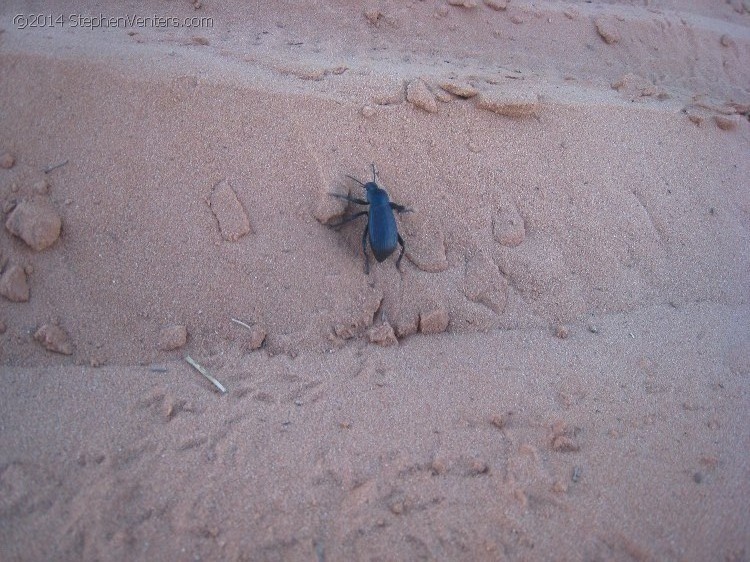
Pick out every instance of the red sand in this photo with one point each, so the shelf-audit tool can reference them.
(581, 186)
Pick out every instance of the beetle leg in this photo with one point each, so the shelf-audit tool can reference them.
(349, 198)
(364, 248)
(401, 255)
(400, 208)
(347, 219)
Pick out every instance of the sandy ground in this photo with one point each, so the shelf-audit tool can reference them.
(560, 370)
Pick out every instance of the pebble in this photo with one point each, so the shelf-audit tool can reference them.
(508, 227)
(460, 89)
(434, 321)
(725, 123)
(607, 30)
(172, 337)
(420, 96)
(36, 222)
(7, 161)
(383, 335)
(463, 3)
(54, 338)
(13, 284)
(498, 5)
(256, 339)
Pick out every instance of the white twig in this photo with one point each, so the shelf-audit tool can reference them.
(241, 323)
(205, 373)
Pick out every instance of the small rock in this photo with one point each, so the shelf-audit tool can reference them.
(231, 216)
(7, 160)
(477, 467)
(499, 421)
(695, 117)
(725, 122)
(13, 284)
(438, 467)
(36, 222)
(172, 337)
(508, 227)
(460, 89)
(463, 3)
(382, 335)
(54, 338)
(406, 325)
(257, 337)
(419, 94)
(607, 30)
(498, 5)
(357, 314)
(562, 332)
(433, 322)
(368, 111)
(373, 16)
(726, 41)
(397, 507)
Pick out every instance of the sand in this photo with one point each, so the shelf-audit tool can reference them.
(559, 370)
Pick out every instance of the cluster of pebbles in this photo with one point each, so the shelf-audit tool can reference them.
(37, 223)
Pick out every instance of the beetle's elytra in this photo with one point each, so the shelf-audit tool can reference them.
(381, 227)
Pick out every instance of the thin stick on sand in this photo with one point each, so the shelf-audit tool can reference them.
(205, 373)
(55, 167)
(241, 323)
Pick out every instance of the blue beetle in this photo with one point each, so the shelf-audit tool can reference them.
(381, 226)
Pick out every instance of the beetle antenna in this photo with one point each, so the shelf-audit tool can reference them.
(355, 179)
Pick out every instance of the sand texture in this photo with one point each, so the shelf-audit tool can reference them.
(560, 369)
